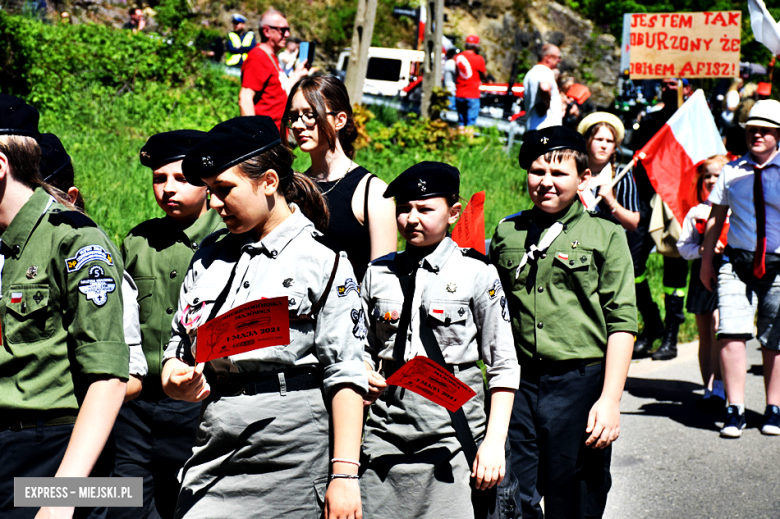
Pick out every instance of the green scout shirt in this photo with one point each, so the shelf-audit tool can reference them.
(157, 254)
(566, 304)
(61, 307)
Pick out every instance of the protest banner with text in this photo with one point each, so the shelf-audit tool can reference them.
(690, 45)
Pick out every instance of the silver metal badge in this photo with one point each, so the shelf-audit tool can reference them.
(422, 186)
(451, 287)
(144, 155)
(545, 140)
(574, 244)
(32, 271)
(208, 161)
(288, 282)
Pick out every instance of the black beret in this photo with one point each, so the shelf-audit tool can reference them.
(17, 117)
(164, 148)
(425, 180)
(53, 156)
(538, 142)
(229, 143)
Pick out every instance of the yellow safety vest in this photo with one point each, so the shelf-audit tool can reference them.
(232, 60)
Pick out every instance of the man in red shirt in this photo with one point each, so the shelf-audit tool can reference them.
(264, 85)
(471, 72)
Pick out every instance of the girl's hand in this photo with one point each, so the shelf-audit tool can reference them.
(184, 382)
(719, 247)
(342, 500)
(55, 513)
(490, 464)
(376, 386)
(608, 195)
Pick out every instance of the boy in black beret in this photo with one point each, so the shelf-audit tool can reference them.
(154, 433)
(569, 284)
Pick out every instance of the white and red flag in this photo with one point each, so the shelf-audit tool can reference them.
(469, 231)
(672, 155)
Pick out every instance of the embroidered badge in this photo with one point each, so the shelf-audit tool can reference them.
(583, 259)
(451, 287)
(360, 331)
(16, 297)
(32, 271)
(494, 289)
(574, 244)
(563, 256)
(504, 309)
(461, 311)
(287, 283)
(97, 286)
(87, 254)
(38, 297)
(291, 302)
(422, 186)
(348, 286)
(437, 310)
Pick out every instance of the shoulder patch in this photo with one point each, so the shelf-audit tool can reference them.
(384, 259)
(87, 254)
(97, 286)
(73, 218)
(475, 254)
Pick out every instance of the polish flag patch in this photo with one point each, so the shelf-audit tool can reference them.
(563, 256)
(437, 310)
(16, 297)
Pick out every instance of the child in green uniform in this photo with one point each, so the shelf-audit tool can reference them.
(570, 292)
(154, 433)
(63, 359)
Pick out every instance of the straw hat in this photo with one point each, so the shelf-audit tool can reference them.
(764, 113)
(602, 117)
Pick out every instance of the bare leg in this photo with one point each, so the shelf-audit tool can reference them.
(734, 363)
(717, 372)
(704, 324)
(771, 376)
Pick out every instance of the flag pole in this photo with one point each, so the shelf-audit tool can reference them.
(619, 176)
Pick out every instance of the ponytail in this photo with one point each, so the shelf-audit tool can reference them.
(24, 158)
(294, 187)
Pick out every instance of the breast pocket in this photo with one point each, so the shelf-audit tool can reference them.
(507, 268)
(145, 286)
(448, 320)
(386, 315)
(28, 316)
(570, 269)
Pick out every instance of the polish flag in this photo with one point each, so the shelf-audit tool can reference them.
(469, 231)
(672, 155)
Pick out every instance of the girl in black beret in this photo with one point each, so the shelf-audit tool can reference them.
(263, 446)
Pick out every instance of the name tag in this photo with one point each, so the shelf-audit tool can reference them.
(251, 326)
(426, 378)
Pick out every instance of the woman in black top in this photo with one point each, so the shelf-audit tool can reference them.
(362, 222)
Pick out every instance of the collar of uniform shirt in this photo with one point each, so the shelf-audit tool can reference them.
(273, 244)
(775, 161)
(435, 259)
(209, 221)
(17, 234)
(569, 218)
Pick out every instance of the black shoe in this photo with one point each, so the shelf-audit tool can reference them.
(644, 343)
(668, 349)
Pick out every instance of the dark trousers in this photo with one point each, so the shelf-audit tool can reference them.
(153, 440)
(547, 439)
(38, 452)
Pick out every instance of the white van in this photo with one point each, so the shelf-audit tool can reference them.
(389, 70)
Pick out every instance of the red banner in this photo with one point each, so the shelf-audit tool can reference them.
(469, 231)
(429, 380)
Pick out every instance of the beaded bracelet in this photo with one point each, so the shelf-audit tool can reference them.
(343, 476)
(342, 460)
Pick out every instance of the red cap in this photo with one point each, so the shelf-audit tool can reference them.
(473, 39)
(764, 89)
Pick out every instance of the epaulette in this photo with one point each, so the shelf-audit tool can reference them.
(384, 259)
(75, 219)
(609, 218)
(321, 238)
(213, 238)
(511, 216)
(475, 254)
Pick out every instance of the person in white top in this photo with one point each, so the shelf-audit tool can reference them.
(542, 100)
(701, 302)
(750, 281)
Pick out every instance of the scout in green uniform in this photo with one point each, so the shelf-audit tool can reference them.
(570, 295)
(154, 433)
(63, 360)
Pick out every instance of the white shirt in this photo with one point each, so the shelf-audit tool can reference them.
(735, 190)
(554, 117)
(450, 71)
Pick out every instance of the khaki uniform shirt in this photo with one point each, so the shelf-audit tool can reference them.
(157, 254)
(290, 262)
(566, 304)
(463, 301)
(61, 307)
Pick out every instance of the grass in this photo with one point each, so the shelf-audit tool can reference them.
(104, 135)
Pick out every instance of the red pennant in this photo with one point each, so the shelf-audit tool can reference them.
(469, 231)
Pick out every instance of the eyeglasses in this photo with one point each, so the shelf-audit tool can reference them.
(309, 119)
(282, 30)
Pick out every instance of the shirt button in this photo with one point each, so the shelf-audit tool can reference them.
(544, 255)
(509, 263)
(571, 262)
(447, 320)
(246, 284)
(173, 274)
(17, 249)
(179, 240)
(169, 311)
(194, 246)
(274, 254)
(540, 325)
(540, 289)
(196, 301)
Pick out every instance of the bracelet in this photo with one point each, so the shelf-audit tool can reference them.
(343, 476)
(614, 208)
(342, 460)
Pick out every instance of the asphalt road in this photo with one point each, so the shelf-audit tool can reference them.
(670, 462)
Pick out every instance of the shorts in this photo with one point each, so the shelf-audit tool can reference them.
(700, 301)
(468, 110)
(738, 302)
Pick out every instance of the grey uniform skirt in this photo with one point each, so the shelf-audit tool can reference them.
(263, 455)
(413, 464)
